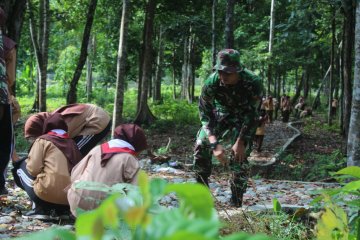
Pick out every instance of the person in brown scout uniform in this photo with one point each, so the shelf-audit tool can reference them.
(46, 172)
(112, 162)
(87, 124)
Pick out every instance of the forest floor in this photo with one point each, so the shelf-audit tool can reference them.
(285, 180)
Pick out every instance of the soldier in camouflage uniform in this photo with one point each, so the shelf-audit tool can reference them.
(228, 113)
(6, 139)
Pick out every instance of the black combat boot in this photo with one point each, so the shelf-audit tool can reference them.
(236, 197)
(202, 180)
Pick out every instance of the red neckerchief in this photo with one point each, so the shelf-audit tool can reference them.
(105, 148)
(108, 152)
(65, 135)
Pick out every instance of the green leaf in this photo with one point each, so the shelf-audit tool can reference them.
(353, 171)
(276, 206)
(333, 223)
(110, 212)
(143, 181)
(157, 187)
(180, 235)
(89, 225)
(51, 233)
(352, 186)
(169, 222)
(195, 198)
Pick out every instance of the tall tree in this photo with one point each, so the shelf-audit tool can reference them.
(332, 65)
(229, 24)
(40, 41)
(348, 43)
(213, 32)
(72, 96)
(144, 115)
(271, 42)
(353, 147)
(159, 67)
(15, 11)
(89, 68)
(121, 64)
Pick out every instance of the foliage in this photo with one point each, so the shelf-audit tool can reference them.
(311, 124)
(321, 165)
(138, 215)
(277, 223)
(335, 223)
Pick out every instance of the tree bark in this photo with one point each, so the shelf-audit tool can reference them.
(89, 76)
(40, 41)
(298, 90)
(144, 115)
(213, 32)
(331, 79)
(72, 96)
(174, 73)
(16, 10)
(316, 101)
(347, 70)
(121, 64)
(158, 73)
(353, 146)
(229, 24)
(271, 41)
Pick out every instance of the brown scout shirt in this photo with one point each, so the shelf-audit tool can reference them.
(121, 168)
(49, 166)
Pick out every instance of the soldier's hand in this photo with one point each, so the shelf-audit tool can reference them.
(239, 150)
(219, 153)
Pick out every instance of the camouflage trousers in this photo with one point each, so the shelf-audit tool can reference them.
(203, 163)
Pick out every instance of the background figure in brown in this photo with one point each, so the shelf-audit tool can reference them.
(286, 109)
(269, 107)
(260, 130)
(299, 107)
(334, 104)
(306, 113)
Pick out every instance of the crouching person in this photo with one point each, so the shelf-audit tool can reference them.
(46, 172)
(112, 162)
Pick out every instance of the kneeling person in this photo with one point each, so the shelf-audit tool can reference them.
(46, 172)
(110, 163)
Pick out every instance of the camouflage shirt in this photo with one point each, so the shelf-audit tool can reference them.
(4, 98)
(230, 106)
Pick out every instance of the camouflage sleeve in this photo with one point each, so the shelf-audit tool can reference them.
(249, 125)
(206, 107)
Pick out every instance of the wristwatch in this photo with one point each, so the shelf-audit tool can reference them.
(213, 145)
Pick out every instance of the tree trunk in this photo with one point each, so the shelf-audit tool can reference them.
(316, 101)
(213, 32)
(271, 41)
(229, 28)
(174, 73)
(353, 147)
(331, 79)
(298, 90)
(40, 41)
(16, 10)
(184, 69)
(144, 115)
(72, 96)
(120, 68)
(89, 60)
(158, 73)
(347, 70)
